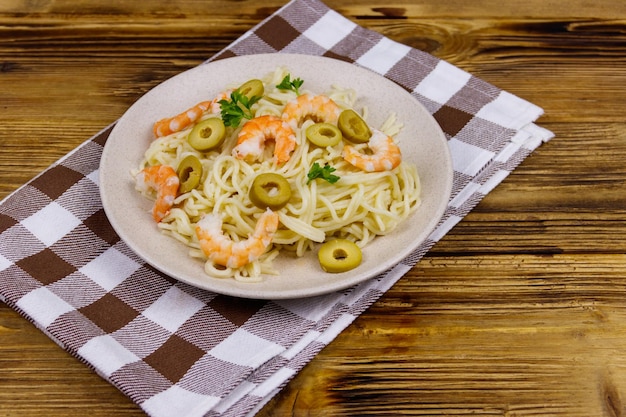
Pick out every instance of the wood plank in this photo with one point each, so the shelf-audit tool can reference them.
(446, 333)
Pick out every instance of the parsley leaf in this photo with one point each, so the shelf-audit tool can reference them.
(237, 108)
(288, 84)
(325, 173)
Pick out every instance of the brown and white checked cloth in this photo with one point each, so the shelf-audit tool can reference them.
(180, 351)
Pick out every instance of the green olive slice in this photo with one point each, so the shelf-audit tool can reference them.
(323, 134)
(207, 134)
(252, 88)
(189, 173)
(353, 127)
(339, 255)
(270, 190)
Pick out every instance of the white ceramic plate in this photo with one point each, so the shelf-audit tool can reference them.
(421, 140)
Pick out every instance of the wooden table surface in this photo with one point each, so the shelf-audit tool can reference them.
(520, 310)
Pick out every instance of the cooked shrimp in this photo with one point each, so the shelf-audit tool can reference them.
(185, 119)
(221, 250)
(162, 179)
(385, 154)
(254, 134)
(320, 108)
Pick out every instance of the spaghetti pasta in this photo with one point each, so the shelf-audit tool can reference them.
(359, 207)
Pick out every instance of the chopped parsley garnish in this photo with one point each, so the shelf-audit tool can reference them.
(237, 108)
(325, 173)
(288, 84)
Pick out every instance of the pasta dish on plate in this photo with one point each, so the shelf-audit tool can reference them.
(268, 168)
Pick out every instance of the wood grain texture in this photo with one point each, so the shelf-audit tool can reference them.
(519, 311)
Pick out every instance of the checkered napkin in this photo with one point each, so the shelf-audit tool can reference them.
(177, 350)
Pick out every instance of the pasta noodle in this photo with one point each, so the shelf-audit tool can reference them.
(359, 207)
